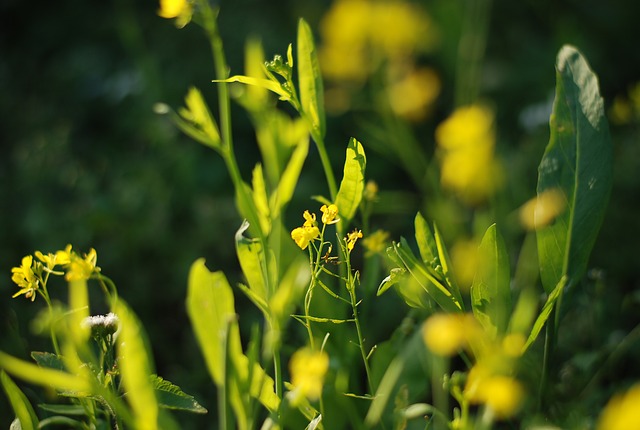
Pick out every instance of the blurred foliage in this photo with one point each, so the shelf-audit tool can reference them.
(85, 159)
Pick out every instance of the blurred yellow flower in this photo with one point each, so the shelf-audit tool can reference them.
(77, 268)
(179, 9)
(307, 233)
(502, 394)
(25, 278)
(622, 411)
(329, 214)
(352, 238)
(376, 242)
(413, 93)
(370, 191)
(466, 143)
(308, 369)
(464, 258)
(446, 334)
(543, 209)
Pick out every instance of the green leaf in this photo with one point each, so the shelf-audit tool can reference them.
(545, 312)
(445, 263)
(19, 403)
(210, 307)
(289, 178)
(310, 79)
(491, 291)
(196, 120)
(269, 84)
(260, 199)
(170, 396)
(352, 185)
(48, 360)
(577, 162)
(251, 256)
(75, 410)
(396, 275)
(134, 362)
(426, 242)
(35, 374)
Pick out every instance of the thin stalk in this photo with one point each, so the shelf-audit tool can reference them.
(549, 343)
(326, 164)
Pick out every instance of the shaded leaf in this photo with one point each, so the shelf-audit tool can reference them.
(578, 162)
(19, 403)
(170, 396)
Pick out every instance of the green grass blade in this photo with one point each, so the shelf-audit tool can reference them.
(19, 403)
(578, 162)
(491, 291)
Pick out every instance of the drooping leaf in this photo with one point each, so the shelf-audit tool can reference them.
(310, 79)
(352, 186)
(395, 275)
(171, 396)
(19, 403)
(490, 291)
(135, 364)
(546, 312)
(578, 163)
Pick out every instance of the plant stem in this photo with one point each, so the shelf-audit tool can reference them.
(326, 164)
(549, 343)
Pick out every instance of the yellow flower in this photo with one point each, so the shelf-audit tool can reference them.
(502, 394)
(352, 238)
(329, 214)
(308, 232)
(466, 142)
(77, 268)
(541, 210)
(376, 242)
(308, 369)
(412, 95)
(179, 9)
(622, 412)
(25, 278)
(446, 334)
(370, 191)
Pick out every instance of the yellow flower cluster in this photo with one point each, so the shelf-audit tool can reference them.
(181, 10)
(29, 275)
(466, 142)
(309, 231)
(308, 369)
(490, 381)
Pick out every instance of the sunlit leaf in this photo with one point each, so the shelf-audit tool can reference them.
(269, 84)
(310, 79)
(252, 261)
(352, 186)
(196, 120)
(260, 199)
(290, 176)
(445, 263)
(491, 291)
(134, 362)
(426, 241)
(578, 163)
(19, 403)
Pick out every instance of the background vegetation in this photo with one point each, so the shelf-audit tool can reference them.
(87, 161)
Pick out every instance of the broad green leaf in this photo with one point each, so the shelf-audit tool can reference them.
(136, 367)
(19, 403)
(426, 242)
(35, 374)
(491, 291)
(269, 84)
(545, 312)
(310, 79)
(196, 120)
(171, 396)
(578, 162)
(260, 199)
(210, 306)
(48, 360)
(352, 185)
(252, 261)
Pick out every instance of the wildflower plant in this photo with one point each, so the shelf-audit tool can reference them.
(464, 351)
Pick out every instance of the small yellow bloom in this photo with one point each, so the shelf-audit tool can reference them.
(25, 278)
(370, 191)
(329, 214)
(376, 242)
(307, 233)
(308, 369)
(352, 238)
(541, 210)
(622, 412)
(446, 334)
(179, 9)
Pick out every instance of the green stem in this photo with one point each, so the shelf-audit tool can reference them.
(549, 343)
(326, 164)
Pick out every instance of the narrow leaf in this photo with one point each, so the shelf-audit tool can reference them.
(260, 199)
(578, 162)
(269, 84)
(445, 263)
(426, 241)
(545, 312)
(352, 185)
(289, 178)
(490, 291)
(19, 403)
(310, 79)
(135, 365)
(251, 256)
